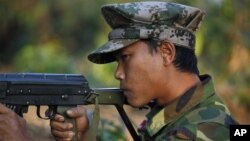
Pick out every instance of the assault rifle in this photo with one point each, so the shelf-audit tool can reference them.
(20, 90)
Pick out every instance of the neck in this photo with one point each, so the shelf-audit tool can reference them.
(176, 84)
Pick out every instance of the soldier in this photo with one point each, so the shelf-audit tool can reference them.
(154, 46)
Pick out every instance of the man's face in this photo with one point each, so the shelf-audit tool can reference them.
(139, 72)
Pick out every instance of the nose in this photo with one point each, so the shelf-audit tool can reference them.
(119, 73)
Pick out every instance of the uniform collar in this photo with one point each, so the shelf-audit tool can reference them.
(158, 117)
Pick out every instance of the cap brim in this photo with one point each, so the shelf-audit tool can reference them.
(104, 54)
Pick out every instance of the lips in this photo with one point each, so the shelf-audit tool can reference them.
(122, 87)
(125, 91)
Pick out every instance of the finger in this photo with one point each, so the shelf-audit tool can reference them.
(62, 135)
(60, 126)
(76, 112)
(82, 123)
(59, 118)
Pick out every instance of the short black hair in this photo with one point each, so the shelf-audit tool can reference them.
(185, 59)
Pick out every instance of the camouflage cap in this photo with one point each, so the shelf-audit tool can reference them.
(147, 20)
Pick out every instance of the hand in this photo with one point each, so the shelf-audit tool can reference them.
(62, 131)
(12, 126)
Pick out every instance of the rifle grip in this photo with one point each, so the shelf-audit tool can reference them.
(62, 111)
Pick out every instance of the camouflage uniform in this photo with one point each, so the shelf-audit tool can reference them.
(198, 114)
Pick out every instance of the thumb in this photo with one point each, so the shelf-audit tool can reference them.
(76, 112)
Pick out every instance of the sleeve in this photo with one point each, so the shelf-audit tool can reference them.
(212, 131)
(207, 131)
(180, 134)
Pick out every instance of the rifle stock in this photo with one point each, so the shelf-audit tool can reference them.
(20, 90)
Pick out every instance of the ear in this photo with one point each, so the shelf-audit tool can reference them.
(167, 50)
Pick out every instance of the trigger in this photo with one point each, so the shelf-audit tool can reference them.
(50, 112)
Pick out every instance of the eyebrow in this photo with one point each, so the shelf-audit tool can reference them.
(117, 53)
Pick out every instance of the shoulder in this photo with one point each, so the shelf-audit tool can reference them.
(204, 123)
(204, 131)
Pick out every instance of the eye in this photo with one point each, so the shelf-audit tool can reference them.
(125, 57)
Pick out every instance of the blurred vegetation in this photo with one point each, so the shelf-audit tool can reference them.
(56, 35)
(111, 132)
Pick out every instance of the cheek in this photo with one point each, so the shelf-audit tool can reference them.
(141, 81)
(149, 79)
(142, 76)
(137, 74)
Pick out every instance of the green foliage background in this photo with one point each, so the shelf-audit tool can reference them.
(56, 35)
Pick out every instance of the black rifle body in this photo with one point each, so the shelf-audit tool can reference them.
(20, 90)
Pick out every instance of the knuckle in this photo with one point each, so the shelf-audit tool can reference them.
(65, 127)
(58, 118)
(60, 126)
(61, 136)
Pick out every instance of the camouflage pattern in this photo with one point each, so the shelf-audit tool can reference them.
(178, 36)
(131, 22)
(199, 114)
